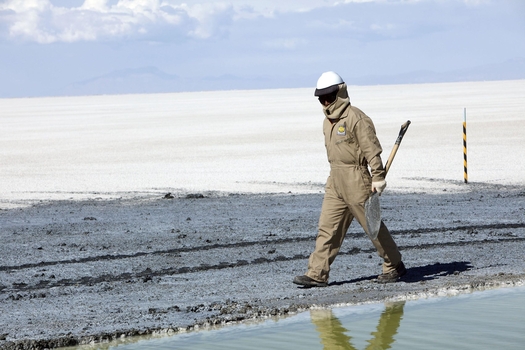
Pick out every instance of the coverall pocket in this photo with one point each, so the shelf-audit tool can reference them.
(366, 186)
(367, 178)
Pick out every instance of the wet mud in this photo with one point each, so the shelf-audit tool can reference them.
(81, 272)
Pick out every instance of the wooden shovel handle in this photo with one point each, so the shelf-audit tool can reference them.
(402, 132)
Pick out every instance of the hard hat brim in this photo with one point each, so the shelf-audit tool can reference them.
(327, 90)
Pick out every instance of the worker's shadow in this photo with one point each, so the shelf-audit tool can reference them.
(421, 273)
(430, 272)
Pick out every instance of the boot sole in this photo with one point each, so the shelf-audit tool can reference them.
(311, 284)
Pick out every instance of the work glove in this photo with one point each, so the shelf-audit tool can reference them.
(378, 186)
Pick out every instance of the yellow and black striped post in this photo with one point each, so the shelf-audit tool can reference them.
(465, 174)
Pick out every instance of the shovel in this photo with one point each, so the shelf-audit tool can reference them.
(372, 205)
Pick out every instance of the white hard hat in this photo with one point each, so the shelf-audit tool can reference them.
(327, 83)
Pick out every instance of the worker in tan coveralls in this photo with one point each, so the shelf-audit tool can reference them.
(352, 147)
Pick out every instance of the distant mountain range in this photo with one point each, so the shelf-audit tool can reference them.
(126, 81)
(153, 80)
(509, 70)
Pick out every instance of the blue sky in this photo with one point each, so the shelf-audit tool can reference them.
(72, 47)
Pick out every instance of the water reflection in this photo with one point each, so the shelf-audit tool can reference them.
(481, 320)
(334, 336)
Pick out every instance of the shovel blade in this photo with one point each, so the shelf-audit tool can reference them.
(373, 215)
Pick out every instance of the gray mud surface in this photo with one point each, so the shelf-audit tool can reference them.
(80, 272)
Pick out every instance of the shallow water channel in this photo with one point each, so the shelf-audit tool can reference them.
(493, 319)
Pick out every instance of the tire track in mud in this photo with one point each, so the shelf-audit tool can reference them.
(459, 228)
(247, 244)
(148, 274)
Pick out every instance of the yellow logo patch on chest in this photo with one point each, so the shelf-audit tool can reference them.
(341, 130)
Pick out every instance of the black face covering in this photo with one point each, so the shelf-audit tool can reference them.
(341, 102)
(330, 98)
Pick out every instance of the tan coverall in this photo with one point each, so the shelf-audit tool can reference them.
(352, 146)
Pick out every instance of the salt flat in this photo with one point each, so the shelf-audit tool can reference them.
(250, 141)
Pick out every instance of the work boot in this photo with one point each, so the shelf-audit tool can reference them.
(392, 276)
(308, 282)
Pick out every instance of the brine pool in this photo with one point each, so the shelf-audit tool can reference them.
(491, 319)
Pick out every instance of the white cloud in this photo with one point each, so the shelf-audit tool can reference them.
(47, 21)
(41, 21)
(100, 5)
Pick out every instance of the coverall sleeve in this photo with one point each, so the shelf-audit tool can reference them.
(369, 144)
